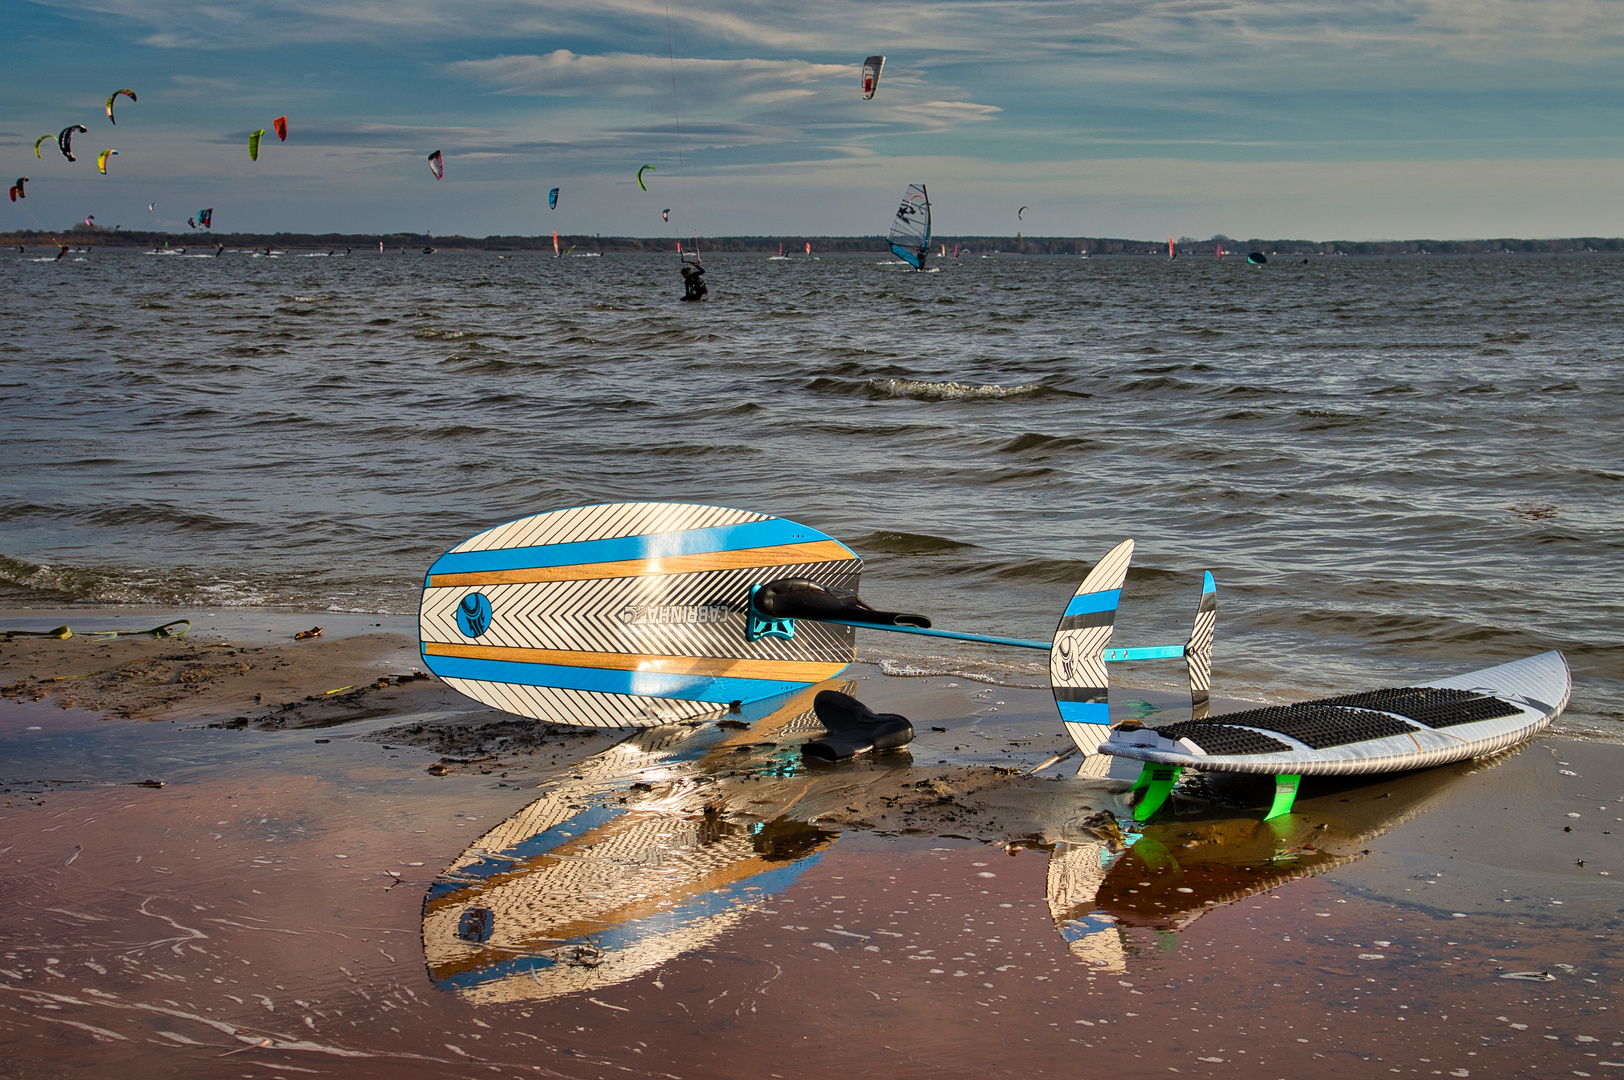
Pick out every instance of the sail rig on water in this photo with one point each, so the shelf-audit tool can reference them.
(910, 231)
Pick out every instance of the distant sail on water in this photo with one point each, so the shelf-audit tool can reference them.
(910, 231)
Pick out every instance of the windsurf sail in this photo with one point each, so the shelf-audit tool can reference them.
(1172, 252)
(910, 231)
(871, 75)
(437, 165)
(555, 243)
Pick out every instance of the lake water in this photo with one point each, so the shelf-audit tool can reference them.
(1341, 442)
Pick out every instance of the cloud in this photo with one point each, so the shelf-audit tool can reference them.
(940, 115)
(566, 74)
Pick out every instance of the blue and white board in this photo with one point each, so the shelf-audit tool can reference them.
(594, 884)
(628, 614)
(1390, 730)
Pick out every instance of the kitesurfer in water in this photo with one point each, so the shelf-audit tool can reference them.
(693, 284)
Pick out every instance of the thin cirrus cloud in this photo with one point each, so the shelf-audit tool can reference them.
(566, 74)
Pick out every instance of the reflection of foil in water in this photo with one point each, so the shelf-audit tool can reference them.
(1176, 870)
(592, 884)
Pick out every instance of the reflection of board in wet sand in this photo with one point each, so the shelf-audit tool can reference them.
(628, 614)
(1172, 871)
(1390, 730)
(596, 882)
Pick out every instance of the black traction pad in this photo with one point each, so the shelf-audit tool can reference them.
(1319, 725)
(1434, 706)
(1339, 721)
(1217, 738)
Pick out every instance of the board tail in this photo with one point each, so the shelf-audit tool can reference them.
(1077, 658)
(1198, 651)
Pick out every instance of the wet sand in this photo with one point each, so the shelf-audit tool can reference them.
(433, 888)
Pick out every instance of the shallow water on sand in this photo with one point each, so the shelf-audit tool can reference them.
(1393, 466)
(289, 907)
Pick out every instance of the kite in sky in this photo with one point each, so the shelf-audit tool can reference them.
(871, 75)
(64, 140)
(437, 165)
(127, 93)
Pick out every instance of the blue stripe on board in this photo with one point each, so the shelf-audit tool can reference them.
(1084, 712)
(613, 937)
(531, 846)
(751, 534)
(602, 681)
(1094, 601)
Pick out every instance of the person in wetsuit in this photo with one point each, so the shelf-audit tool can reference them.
(693, 283)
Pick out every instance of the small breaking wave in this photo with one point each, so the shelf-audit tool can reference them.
(922, 390)
(1014, 675)
(26, 583)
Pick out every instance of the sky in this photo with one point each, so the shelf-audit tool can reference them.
(1312, 119)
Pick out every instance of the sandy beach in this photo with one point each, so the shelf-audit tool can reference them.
(390, 880)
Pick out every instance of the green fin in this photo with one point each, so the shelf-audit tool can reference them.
(1157, 781)
(1285, 794)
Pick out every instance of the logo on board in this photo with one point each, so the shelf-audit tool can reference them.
(474, 614)
(666, 614)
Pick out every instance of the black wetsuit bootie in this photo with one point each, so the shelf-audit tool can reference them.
(854, 728)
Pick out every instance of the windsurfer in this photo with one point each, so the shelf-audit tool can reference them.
(693, 285)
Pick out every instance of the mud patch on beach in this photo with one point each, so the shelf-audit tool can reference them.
(292, 684)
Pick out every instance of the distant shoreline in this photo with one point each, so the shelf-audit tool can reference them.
(81, 236)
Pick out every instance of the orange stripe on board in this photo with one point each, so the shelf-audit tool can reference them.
(719, 666)
(736, 559)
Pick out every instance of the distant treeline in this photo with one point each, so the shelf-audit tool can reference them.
(81, 235)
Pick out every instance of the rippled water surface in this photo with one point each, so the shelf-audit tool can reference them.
(1391, 466)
